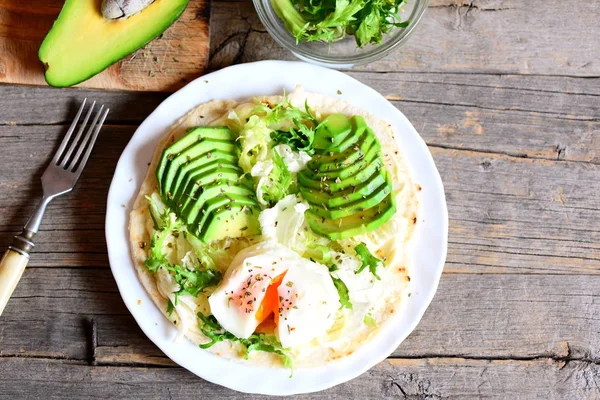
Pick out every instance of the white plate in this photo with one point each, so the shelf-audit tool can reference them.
(241, 82)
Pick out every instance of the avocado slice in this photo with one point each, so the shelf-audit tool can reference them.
(355, 224)
(235, 221)
(223, 188)
(192, 136)
(217, 204)
(335, 161)
(358, 127)
(335, 185)
(83, 43)
(347, 196)
(332, 131)
(186, 173)
(201, 147)
(357, 206)
(372, 154)
(210, 176)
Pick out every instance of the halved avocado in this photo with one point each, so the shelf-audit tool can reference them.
(347, 196)
(355, 224)
(83, 43)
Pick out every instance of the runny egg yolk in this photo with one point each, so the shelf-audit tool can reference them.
(270, 303)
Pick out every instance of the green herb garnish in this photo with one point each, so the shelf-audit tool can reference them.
(368, 260)
(256, 342)
(342, 290)
(279, 182)
(301, 135)
(193, 282)
(166, 223)
(370, 321)
(170, 308)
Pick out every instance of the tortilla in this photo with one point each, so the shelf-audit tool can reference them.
(395, 248)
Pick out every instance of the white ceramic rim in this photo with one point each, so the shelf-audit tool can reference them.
(241, 82)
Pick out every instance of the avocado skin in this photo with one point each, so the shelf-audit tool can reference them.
(66, 29)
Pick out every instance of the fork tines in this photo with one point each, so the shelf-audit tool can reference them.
(79, 148)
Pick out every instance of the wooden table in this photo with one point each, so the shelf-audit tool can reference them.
(507, 95)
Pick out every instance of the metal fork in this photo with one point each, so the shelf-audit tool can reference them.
(59, 178)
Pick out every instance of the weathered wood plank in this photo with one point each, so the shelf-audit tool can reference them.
(480, 36)
(39, 105)
(546, 117)
(508, 214)
(476, 316)
(393, 379)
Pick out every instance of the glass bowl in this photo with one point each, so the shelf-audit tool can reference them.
(344, 53)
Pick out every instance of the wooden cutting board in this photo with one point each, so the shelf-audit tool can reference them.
(165, 64)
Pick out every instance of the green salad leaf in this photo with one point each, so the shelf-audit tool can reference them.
(166, 223)
(279, 181)
(330, 20)
(256, 342)
(368, 260)
(193, 282)
(255, 140)
(342, 290)
(297, 127)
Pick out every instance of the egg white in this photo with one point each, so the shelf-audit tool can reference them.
(307, 297)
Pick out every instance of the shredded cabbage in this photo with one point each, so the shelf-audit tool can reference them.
(284, 223)
(255, 138)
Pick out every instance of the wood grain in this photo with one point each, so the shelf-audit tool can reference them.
(393, 379)
(505, 37)
(505, 93)
(166, 64)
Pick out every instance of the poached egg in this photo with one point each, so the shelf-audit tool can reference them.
(268, 280)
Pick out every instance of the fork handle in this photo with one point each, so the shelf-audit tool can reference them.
(13, 264)
(11, 269)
